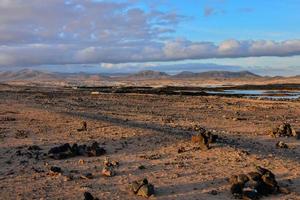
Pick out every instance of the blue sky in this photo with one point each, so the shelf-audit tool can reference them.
(132, 35)
(240, 19)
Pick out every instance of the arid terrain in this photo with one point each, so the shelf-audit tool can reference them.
(149, 135)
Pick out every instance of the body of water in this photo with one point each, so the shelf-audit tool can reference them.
(272, 94)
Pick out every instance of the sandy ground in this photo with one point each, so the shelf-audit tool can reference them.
(132, 128)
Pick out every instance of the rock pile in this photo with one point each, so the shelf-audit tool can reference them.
(142, 188)
(67, 151)
(284, 130)
(254, 185)
(109, 167)
(203, 138)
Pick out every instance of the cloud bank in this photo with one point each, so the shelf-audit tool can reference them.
(60, 32)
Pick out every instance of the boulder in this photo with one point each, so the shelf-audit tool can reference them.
(83, 126)
(255, 184)
(142, 188)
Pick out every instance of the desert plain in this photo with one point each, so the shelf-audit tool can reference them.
(149, 135)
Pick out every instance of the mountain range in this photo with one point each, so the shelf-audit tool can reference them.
(35, 75)
(27, 74)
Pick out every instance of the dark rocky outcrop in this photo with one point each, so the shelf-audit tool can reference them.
(254, 185)
(67, 151)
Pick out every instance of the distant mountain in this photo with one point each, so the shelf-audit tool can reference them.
(217, 74)
(149, 74)
(186, 74)
(35, 75)
(26, 74)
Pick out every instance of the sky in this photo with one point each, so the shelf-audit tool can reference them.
(167, 35)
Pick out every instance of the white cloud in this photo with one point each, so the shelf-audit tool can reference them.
(91, 32)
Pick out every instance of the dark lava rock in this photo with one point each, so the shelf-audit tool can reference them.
(254, 185)
(62, 148)
(56, 169)
(250, 195)
(89, 196)
(87, 176)
(95, 150)
(141, 167)
(214, 192)
(181, 150)
(8, 119)
(237, 190)
(34, 148)
(254, 176)
(66, 151)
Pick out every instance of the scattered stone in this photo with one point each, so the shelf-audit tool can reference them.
(55, 169)
(37, 170)
(34, 148)
(238, 119)
(181, 150)
(115, 163)
(282, 145)
(66, 151)
(89, 196)
(83, 126)
(151, 157)
(142, 188)
(7, 119)
(174, 176)
(214, 192)
(22, 134)
(68, 177)
(30, 153)
(108, 171)
(81, 162)
(109, 163)
(141, 167)
(284, 190)
(87, 176)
